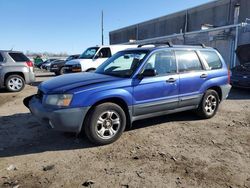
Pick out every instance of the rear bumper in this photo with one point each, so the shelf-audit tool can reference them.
(225, 91)
(29, 77)
(66, 120)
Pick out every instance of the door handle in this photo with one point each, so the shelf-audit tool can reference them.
(171, 80)
(203, 76)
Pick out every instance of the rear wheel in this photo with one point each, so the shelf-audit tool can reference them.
(15, 83)
(209, 104)
(105, 124)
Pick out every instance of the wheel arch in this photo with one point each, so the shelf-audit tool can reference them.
(13, 73)
(116, 100)
(218, 90)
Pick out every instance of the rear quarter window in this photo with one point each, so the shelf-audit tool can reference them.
(19, 57)
(212, 59)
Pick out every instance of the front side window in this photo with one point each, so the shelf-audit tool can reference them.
(122, 64)
(89, 53)
(163, 62)
(188, 61)
(212, 59)
(104, 53)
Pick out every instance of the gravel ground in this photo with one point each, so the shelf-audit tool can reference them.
(178, 150)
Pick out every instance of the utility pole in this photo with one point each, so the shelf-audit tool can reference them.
(102, 29)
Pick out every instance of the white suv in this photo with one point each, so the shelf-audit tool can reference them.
(93, 57)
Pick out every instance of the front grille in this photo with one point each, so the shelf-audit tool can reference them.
(72, 68)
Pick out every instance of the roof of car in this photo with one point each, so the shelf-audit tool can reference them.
(10, 51)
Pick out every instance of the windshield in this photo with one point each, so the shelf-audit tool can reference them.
(122, 64)
(89, 53)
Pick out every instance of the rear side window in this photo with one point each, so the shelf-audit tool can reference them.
(188, 61)
(1, 58)
(212, 59)
(18, 57)
(105, 53)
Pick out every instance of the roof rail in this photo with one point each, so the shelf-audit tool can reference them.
(170, 44)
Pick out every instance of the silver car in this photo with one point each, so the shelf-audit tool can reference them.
(16, 70)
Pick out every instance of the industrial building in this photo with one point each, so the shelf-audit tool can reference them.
(222, 24)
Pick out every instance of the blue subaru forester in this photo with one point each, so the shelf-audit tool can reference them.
(133, 84)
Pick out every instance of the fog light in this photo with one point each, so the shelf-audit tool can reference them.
(51, 125)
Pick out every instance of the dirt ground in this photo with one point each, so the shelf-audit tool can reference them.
(177, 150)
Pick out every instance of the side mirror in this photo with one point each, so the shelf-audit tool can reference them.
(147, 73)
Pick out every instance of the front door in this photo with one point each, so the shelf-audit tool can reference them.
(158, 93)
(102, 55)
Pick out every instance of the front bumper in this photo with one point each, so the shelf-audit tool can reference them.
(240, 82)
(66, 120)
(54, 69)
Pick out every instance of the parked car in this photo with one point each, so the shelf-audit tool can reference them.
(93, 57)
(241, 73)
(46, 65)
(131, 85)
(16, 70)
(58, 66)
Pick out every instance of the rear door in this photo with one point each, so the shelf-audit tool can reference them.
(158, 93)
(192, 76)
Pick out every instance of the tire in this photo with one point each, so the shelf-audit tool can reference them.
(105, 124)
(57, 73)
(61, 72)
(14, 83)
(209, 104)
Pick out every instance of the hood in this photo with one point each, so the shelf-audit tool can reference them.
(64, 83)
(58, 62)
(78, 61)
(243, 54)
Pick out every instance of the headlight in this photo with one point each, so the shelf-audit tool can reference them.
(59, 100)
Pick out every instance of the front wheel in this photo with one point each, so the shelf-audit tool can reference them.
(105, 124)
(209, 104)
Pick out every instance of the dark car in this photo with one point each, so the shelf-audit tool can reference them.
(45, 62)
(241, 73)
(58, 66)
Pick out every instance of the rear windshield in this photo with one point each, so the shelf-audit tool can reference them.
(18, 57)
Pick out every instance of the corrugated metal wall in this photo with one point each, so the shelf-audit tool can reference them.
(218, 13)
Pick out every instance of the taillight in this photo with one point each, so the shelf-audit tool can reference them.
(229, 76)
(29, 63)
